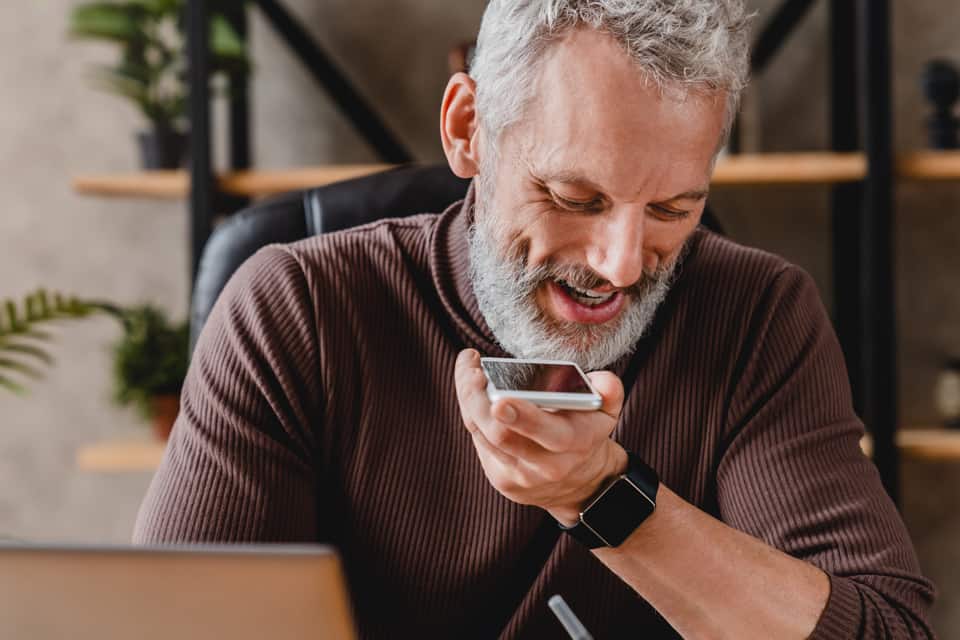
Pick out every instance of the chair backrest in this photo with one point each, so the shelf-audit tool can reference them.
(395, 194)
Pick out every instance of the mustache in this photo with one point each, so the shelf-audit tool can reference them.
(583, 277)
(529, 279)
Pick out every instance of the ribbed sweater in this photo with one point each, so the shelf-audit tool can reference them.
(320, 407)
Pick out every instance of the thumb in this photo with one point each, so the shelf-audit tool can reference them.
(610, 389)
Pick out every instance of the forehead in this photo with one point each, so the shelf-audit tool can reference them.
(597, 114)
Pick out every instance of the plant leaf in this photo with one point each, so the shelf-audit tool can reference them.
(116, 80)
(29, 350)
(225, 42)
(12, 322)
(19, 367)
(105, 21)
(37, 307)
(159, 8)
(10, 385)
(34, 334)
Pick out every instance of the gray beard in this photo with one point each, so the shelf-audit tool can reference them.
(505, 289)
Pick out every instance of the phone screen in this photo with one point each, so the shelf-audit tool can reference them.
(530, 376)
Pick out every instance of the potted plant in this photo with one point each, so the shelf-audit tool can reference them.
(151, 71)
(20, 334)
(149, 359)
(150, 364)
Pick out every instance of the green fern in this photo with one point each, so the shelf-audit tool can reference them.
(21, 350)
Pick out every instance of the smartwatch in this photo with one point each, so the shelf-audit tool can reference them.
(620, 508)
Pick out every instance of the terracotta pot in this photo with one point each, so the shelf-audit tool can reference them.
(165, 410)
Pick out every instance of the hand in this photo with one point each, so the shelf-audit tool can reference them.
(553, 460)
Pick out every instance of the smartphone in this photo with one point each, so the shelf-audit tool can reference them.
(551, 384)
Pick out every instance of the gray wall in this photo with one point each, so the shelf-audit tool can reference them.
(52, 126)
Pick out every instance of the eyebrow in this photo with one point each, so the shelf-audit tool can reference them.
(576, 179)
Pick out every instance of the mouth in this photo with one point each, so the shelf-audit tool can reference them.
(588, 297)
(585, 306)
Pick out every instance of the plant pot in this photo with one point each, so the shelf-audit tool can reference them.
(162, 148)
(165, 410)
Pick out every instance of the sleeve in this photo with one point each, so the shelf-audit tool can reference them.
(793, 473)
(239, 466)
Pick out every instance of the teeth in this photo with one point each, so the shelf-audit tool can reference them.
(586, 296)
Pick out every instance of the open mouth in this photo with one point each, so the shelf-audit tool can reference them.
(586, 297)
(584, 306)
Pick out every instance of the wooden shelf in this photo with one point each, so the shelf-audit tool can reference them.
(929, 165)
(830, 168)
(789, 168)
(792, 168)
(176, 184)
(122, 456)
(742, 170)
(924, 444)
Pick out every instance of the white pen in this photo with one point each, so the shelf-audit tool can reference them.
(568, 619)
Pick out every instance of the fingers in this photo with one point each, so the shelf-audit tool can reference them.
(491, 455)
(550, 431)
(468, 359)
(610, 389)
(522, 430)
(471, 385)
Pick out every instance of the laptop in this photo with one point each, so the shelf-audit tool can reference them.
(186, 593)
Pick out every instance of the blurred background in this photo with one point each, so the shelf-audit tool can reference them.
(75, 463)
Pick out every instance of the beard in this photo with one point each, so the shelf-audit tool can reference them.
(506, 286)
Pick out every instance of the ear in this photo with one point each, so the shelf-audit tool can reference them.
(460, 127)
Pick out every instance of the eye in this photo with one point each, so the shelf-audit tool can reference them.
(577, 205)
(668, 213)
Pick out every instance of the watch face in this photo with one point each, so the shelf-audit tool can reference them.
(616, 513)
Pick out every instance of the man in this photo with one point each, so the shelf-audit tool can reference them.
(329, 392)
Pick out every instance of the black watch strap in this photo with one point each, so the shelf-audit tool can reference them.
(620, 508)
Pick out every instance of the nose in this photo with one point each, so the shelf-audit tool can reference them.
(616, 249)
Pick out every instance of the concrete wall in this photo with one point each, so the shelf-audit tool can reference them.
(53, 125)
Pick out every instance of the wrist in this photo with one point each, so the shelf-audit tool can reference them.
(615, 461)
(614, 513)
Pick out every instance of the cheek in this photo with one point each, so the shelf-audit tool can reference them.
(665, 241)
(535, 234)
(558, 239)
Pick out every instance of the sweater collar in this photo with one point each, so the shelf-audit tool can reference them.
(450, 266)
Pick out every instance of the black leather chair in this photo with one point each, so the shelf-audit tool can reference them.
(396, 193)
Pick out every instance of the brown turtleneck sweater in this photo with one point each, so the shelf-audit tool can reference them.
(320, 407)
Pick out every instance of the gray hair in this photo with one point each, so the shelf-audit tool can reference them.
(685, 44)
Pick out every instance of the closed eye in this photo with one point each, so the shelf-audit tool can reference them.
(669, 213)
(577, 205)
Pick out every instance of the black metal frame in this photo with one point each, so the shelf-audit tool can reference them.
(878, 386)
(862, 213)
(202, 183)
(790, 14)
(204, 198)
(348, 99)
(846, 199)
(241, 155)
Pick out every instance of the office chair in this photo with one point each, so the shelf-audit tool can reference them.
(395, 193)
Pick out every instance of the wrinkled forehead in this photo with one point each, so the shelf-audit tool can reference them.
(596, 113)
